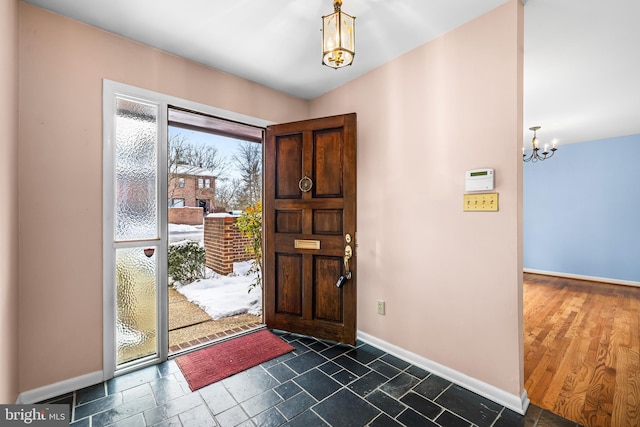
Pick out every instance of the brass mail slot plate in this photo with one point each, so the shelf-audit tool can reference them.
(307, 244)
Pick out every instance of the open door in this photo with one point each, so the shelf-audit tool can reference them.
(309, 220)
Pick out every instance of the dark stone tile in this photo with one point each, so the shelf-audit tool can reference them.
(269, 418)
(367, 384)
(307, 341)
(132, 379)
(85, 422)
(247, 423)
(287, 390)
(166, 389)
(394, 361)
(421, 405)
(365, 354)
(136, 421)
(399, 385)
(318, 346)
(171, 422)
(335, 351)
(281, 372)
(217, 398)
(385, 403)
(470, 406)
(450, 419)
(88, 394)
(305, 361)
(167, 368)
(299, 347)
(329, 368)
(509, 418)
(351, 365)
(136, 392)
(411, 418)
(277, 360)
(547, 419)
(417, 372)
(432, 386)
(344, 377)
(346, 409)
(296, 405)
(172, 408)
(197, 417)
(123, 411)
(97, 406)
(261, 403)
(65, 399)
(307, 419)
(231, 417)
(317, 384)
(383, 420)
(249, 383)
(384, 368)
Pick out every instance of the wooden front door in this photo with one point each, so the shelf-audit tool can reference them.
(309, 218)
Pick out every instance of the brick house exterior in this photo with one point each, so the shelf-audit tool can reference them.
(192, 186)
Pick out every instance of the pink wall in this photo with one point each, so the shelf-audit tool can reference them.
(451, 280)
(62, 64)
(9, 206)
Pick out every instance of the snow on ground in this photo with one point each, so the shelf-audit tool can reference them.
(182, 232)
(223, 296)
(183, 228)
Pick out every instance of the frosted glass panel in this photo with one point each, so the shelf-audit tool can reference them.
(136, 145)
(136, 310)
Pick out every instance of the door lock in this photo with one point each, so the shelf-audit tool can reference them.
(348, 253)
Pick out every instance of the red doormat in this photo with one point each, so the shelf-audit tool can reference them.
(203, 367)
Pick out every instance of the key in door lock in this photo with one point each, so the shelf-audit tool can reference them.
(348, 253)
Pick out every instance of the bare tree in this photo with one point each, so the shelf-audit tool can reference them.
(225, 196)
(248, 162)
(177, 146)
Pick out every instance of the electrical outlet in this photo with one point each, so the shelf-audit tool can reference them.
(380, 307)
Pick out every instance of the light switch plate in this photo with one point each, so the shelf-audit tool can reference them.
(480, 202)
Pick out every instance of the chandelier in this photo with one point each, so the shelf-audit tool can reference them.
(535, 153)
(338, 38)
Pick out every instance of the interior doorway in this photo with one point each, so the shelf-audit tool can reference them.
(214, 283)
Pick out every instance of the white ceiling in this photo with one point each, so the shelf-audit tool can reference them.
(581, 56)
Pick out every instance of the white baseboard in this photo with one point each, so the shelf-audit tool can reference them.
(60, 388)
(516, 403)
(581, 277)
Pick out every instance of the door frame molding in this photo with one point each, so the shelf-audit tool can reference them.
(111, 89)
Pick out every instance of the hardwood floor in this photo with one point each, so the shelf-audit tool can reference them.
(582, 350)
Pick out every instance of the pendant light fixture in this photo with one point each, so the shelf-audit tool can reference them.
(535, 155)
(338, 38)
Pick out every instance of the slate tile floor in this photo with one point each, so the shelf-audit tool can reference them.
(319, 384)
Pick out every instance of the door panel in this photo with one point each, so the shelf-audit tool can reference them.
(288, 163)
(328, 304)
(327, 159)
(305, 231)
(288, 281)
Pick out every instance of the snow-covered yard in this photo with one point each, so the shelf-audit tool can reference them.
(223, 296)
(219, 296)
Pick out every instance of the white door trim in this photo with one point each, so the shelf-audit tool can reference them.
(111, 89)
